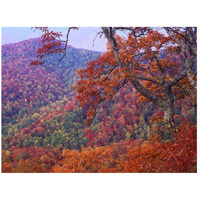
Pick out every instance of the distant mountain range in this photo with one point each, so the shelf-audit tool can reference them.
(39, 107)
(25, 86)
(83, 38)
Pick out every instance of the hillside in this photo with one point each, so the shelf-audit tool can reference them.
(26, 87)
(43, 123)
(39, 108)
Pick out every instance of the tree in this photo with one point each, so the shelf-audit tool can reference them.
(149, 60)
(160, 66)
(93, 160)
(188, 48)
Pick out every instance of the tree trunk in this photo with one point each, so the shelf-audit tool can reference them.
(169, 114)
(168, 107)
(168, 121)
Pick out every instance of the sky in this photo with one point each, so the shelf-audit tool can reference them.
(82, 38)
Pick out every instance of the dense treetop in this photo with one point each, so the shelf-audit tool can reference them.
(106, 123)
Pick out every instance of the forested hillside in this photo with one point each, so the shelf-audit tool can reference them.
(44, 127)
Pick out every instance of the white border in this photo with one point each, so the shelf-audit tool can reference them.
(97, 13)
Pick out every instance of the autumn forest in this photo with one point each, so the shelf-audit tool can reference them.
(131, 109)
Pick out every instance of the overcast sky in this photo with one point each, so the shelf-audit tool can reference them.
(82, 38)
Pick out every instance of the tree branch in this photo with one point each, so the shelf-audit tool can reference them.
(171, 29)
(176, 79)
(147, 79)
(99, 33)
(142, 33)
(161, 69)
(145, 92)
(189, 61)
(66, 42)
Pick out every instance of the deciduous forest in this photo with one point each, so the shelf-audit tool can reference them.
(131, 109)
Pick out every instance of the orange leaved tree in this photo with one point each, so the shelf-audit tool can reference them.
(160, 65)
(151, 61)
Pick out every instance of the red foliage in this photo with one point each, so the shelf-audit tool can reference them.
(177, 155)
(30, 159)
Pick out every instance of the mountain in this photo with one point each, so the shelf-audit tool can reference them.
(43, 123)
(25, 86)
(28, 90)
(39, 108)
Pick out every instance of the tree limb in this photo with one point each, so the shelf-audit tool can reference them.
(147, 79)
(145, 92)
(99, 33)
(66, 42)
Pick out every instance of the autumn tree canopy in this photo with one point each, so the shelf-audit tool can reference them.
(160, 64)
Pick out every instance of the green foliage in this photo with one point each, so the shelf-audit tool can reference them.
(41, 116)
